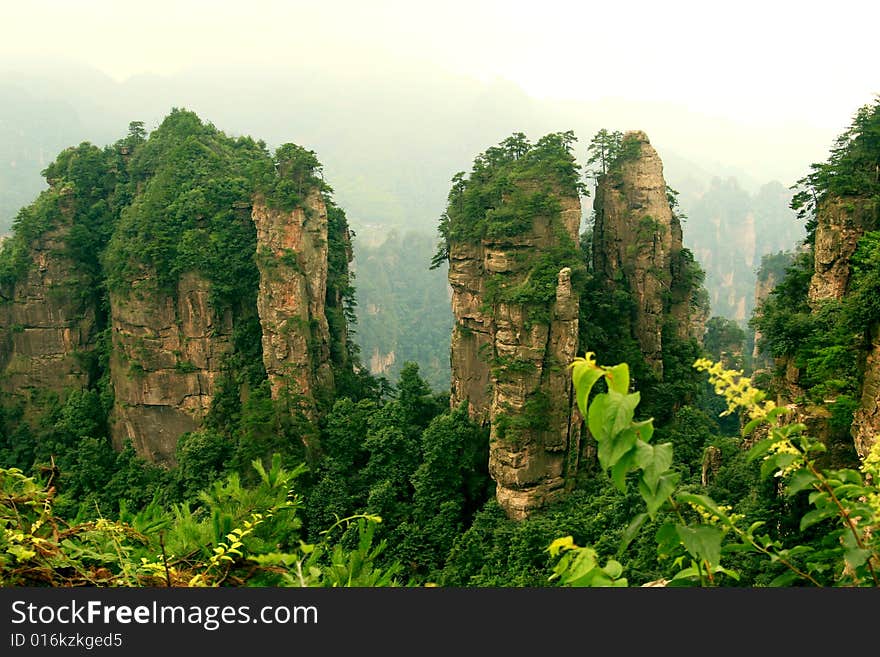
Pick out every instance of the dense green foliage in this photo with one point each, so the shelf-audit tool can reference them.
(608, 309)
(850, 170)
(402, 307)
(392, 487)
(827, 340)
(508, 186)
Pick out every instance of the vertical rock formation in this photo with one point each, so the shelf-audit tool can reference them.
(516, 330)
(185, 234)
(637, 243)
(510, 369)
(292, 259)
(764, 284)
(167, 351)
(840, 224)
(44, 324)
(866, 419)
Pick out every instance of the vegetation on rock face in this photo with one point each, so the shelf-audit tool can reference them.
(697, 533)
(850, 170)
(827, 341)
(608, 318)
(678, 485)
(507, 187)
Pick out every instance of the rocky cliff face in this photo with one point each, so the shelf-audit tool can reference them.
(637, 242)
(166, 359)
(171, 247)
(840, 224)
(44, 326)
(292, 259)
(866, 419)
(509, 359)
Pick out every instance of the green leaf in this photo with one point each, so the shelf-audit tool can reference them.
(702, 542)
(618, 378)
(630, 532)
(667, 539)
(847, 491)
(614, 447)
(777, 462)
(644, 429)
(816, 515)
(685, 577)
(613, 569)
(659, 463)
(584, 377)
(584, 562)
(785, 579)
(610, 413)
(655, 499)
(750, 426)
(800, 480)
(760, 448)
(624, 466)
(856, 557)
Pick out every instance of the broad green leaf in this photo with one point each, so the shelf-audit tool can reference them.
(777, 462)
(615, 446)
(849, 476)
(618, 378)
(816, 515)
(584, 377)
(613, 569)
(785, 579)
(773, 413)
(667, 539)
(856, 557)
(610, 413)
(685, 577)
(751, 425)
(624, 466)
(851, 490)
(702, 542)
(738, 547)
(800, 480)
(630, 532)
(726, 571)
(584, 562)
(760, 448)
(644, 429)
(798, 550)
(659, 463)
(655, 499)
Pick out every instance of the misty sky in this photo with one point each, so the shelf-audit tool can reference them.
(756, 61)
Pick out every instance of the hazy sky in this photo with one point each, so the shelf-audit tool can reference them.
(753, 61)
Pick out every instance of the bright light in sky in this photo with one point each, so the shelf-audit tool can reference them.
(762, 86)
(812, 62)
